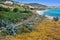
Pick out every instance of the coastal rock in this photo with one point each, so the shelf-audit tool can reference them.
(55, 18)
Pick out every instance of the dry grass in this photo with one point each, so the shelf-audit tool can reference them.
(47, 30)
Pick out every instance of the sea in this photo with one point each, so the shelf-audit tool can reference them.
(52, 13)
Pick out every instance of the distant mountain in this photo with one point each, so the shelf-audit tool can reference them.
(5, 0)
(36, 5)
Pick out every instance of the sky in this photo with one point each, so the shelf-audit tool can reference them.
(45, 2)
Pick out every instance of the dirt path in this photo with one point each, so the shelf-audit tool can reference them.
(33, 17)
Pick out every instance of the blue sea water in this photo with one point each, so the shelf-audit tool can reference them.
(53, 13)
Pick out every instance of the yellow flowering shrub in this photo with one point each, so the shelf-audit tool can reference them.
(46, 30)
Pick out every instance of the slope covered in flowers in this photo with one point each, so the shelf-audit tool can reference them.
(46, 30)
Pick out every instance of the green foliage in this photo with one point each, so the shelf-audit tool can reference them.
(8, 18)
(9, 28)
(4, 9)
(27, 25)
(3, 33)
(18, 14)
(15, 10)
(14, 17)
(22, 29)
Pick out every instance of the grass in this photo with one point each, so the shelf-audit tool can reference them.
(14, 17)
(16, 14)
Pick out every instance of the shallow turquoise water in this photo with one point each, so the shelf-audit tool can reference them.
(53, 13)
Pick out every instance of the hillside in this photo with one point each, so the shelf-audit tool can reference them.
(19, 22)
(36, 5)
(12, 15)
(46, 30)
(14, 9)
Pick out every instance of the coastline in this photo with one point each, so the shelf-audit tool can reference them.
(39, 12)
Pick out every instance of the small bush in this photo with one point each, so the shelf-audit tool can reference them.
(4, 9)
(15, 10)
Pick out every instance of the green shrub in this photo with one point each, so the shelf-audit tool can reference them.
(4, 33)
(15, 10)
(4, 9)
(14, 16)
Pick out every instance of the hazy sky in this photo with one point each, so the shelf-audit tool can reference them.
(46, 2)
